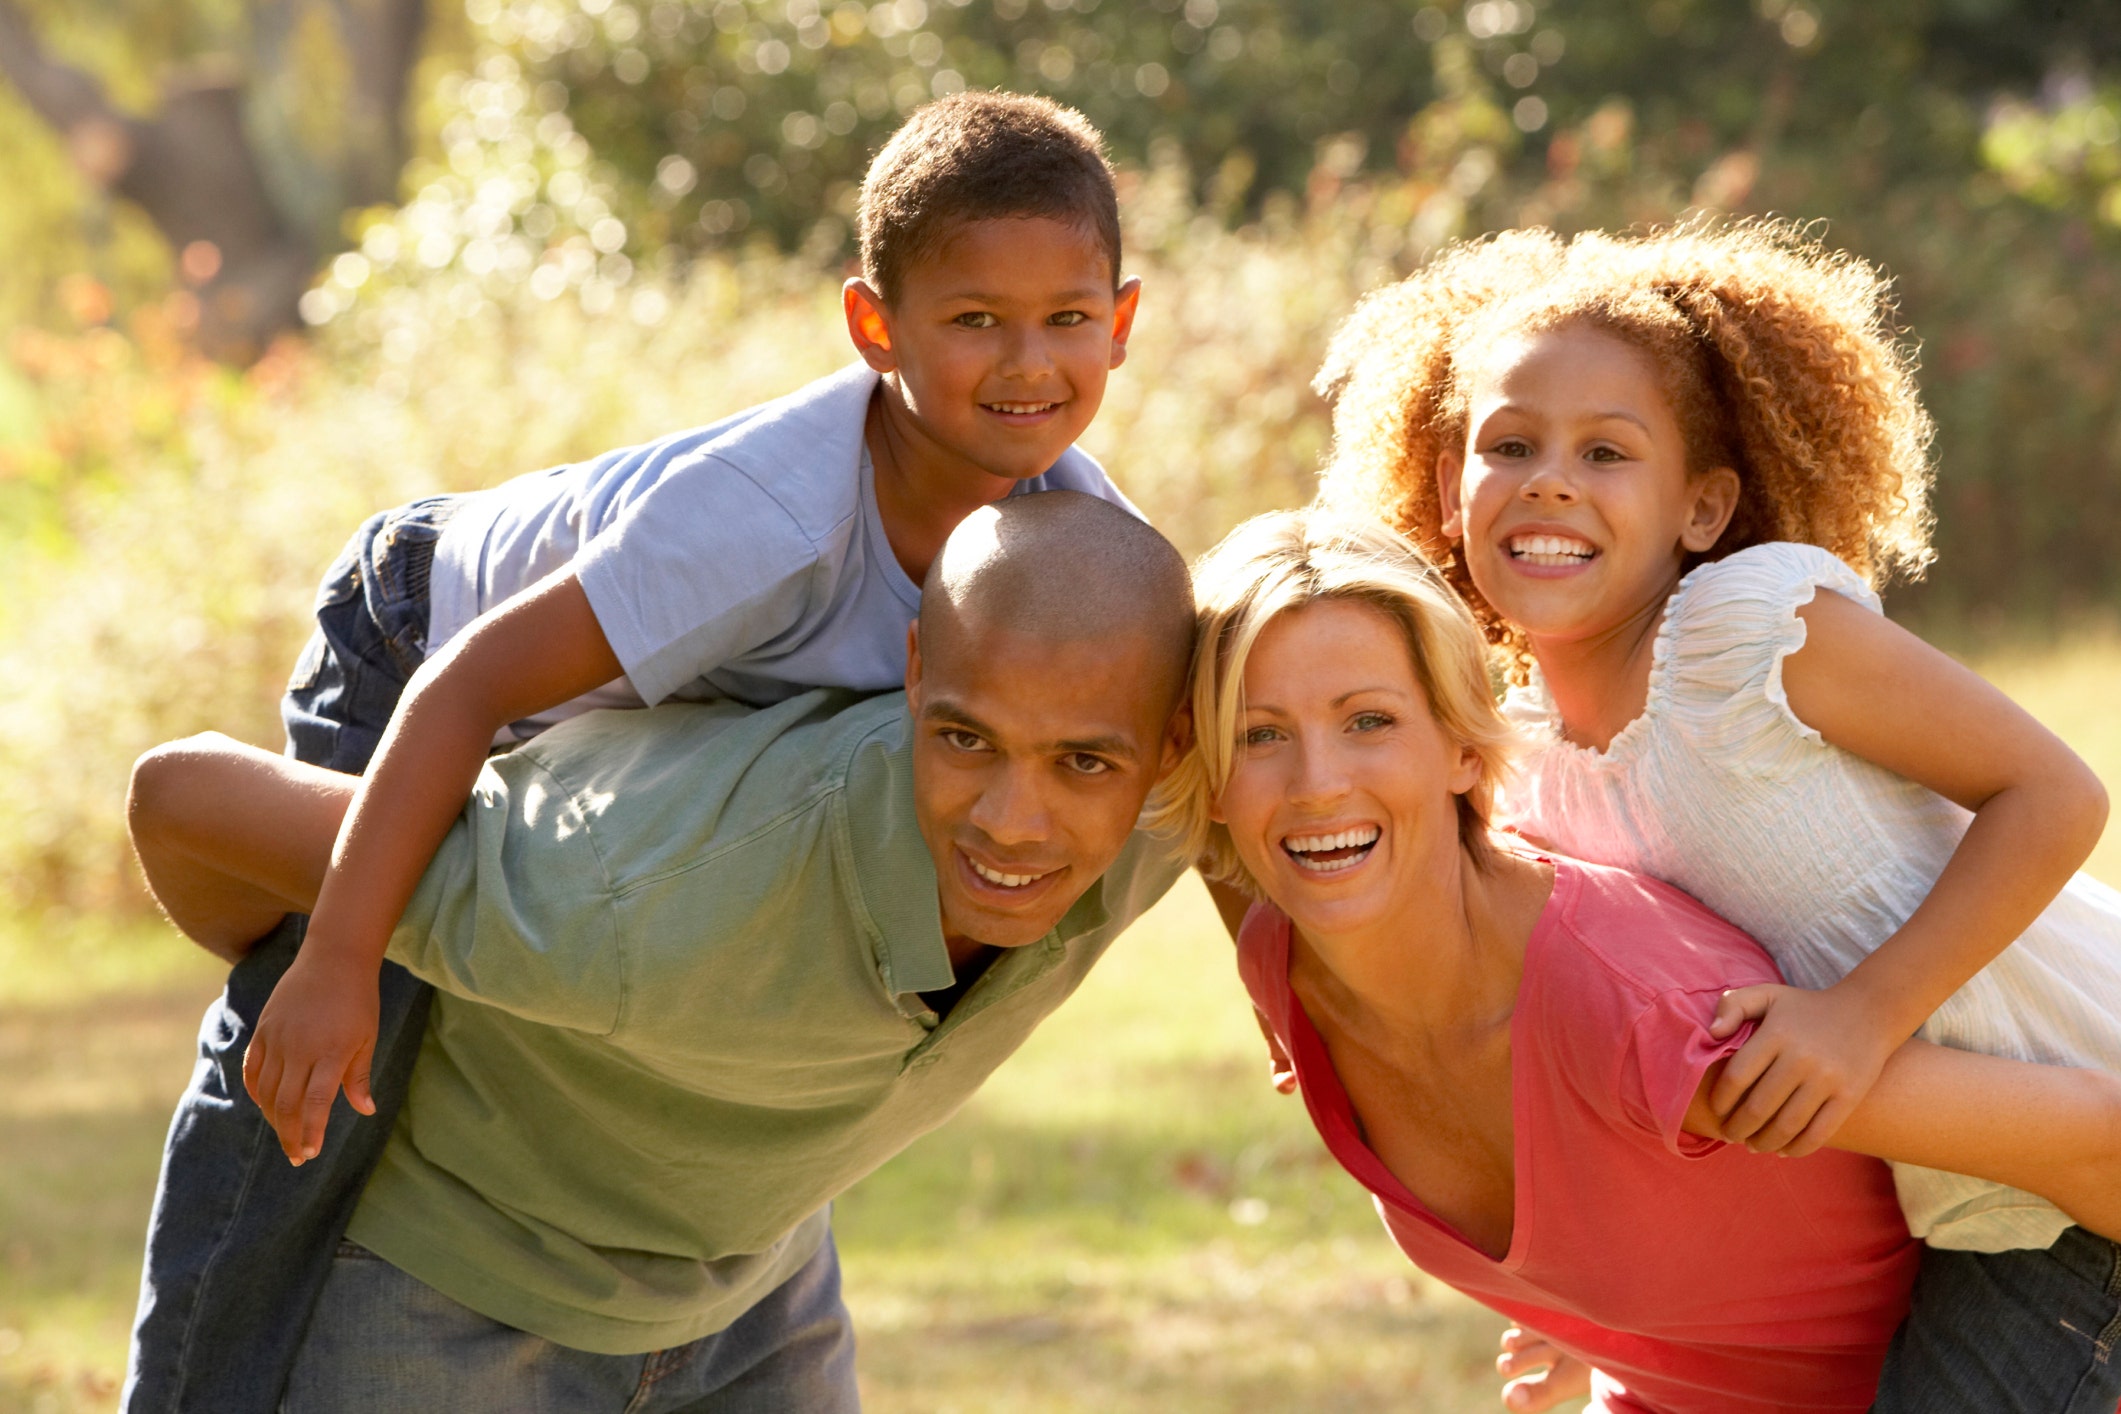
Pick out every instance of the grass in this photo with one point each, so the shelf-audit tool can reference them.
(1125, 1219)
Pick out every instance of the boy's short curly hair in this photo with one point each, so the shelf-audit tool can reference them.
(1778, 359)
(976, 156)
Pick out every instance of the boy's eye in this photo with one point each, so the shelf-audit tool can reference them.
(1068, 318)
(975, 319)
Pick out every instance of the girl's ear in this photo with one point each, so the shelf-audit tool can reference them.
(1713, 500)
(1448, 467)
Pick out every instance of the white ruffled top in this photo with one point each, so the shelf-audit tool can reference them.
(1719, 789)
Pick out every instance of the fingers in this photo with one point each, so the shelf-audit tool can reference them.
(1820, 1131)
(1759, 1113)
(1524, 1352)
(357, 1080)
(1741, 1077)
(1541, 1375)
(1738, 1006)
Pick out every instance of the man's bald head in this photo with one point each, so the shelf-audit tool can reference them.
(1067, 568)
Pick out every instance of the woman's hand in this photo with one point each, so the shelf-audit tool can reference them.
(1796, 1079)
(1540, 1374)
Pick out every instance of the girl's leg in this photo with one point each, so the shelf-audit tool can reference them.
(2023, 1332)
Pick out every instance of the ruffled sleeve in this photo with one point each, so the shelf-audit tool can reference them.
(1726, 633)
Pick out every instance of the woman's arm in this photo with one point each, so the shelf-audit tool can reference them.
(2048, 1129)
(232, 838)
(318, 1030)
(1877, 691)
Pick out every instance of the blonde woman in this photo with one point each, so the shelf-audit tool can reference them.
(1512, 1050)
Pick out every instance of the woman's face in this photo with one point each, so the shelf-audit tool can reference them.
(1343, 804)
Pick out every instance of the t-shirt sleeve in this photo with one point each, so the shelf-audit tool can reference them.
(516, 910)
(1669, 1050)
(1725, 638)
(704, 567)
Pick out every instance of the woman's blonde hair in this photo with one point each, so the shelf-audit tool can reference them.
(1290, 559)
(1776, 355)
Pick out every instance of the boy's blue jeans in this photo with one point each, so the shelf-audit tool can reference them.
(240, 1242)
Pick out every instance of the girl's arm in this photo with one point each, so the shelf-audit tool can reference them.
(2048, 1129)
(1877, 691)
(318, 1031)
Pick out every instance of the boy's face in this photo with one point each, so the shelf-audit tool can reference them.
(1000, 339)
(1031, 761)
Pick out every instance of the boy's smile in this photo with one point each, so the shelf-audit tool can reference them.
(995, 349)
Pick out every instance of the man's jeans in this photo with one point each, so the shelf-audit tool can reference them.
(2026, 1332)
(382, 1340)
(240, 1241)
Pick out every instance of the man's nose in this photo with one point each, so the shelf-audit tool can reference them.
(1012, 809)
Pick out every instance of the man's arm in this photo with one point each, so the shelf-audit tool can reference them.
(2050, 1130)
(231, 838)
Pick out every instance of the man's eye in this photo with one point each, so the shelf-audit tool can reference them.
(1084, 764)
(975, 319)
(1068, 318)
(962, 740)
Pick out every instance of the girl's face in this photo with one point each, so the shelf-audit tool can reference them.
(1572, 495)
(1343, 804)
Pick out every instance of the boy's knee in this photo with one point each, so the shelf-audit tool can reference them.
(164, 782)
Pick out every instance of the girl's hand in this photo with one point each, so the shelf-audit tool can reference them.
(316, 1034)
(1800, 1075)
(1540, 1375)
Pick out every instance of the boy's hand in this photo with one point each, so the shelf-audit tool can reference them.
(1814, 1058)
(317, 1033)
(1540, 1376)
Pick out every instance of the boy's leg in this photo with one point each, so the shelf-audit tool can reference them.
(240, 1241)
(2023, 1332)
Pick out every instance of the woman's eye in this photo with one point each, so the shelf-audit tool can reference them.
(975, 319)
(1259, 736)
(1068, 318)
(1370, 721)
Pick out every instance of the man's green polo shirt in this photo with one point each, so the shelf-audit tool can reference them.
(678, 954)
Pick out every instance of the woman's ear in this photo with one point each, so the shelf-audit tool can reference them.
(1713, 501)
(1468, 772)
(1449, 465)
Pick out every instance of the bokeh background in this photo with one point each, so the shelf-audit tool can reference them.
(268, 265)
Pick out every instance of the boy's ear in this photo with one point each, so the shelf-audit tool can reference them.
(1124, 303)
(1715, 501)
(868, 324)
(913, 666)
(1448, 467)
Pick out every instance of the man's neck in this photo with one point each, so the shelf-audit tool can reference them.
(969, 962)
(923, 489)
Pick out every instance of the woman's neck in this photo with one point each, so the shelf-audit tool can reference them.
(1601, 682)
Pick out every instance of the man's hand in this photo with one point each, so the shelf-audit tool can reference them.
(1540, 1375)
(1796, 1079)
(316, 1034)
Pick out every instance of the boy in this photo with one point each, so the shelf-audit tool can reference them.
(701, 968)
(772, 552)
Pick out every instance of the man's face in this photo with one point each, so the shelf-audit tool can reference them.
(1031, 761)
(1001, 339)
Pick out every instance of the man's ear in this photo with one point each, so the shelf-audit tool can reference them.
(1124, 303)
(1715, 501)
(868, 324)
(1178, 738)
(913, 666)
(1449, 465)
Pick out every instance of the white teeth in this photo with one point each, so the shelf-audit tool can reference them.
(1007, 881)
(1301, 847)
(1023, 407)
(1551, 549)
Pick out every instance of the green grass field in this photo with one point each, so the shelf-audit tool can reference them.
(1126, 1219)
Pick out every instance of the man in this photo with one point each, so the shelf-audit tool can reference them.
(702, 968)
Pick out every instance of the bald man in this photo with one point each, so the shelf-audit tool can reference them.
(700, 968)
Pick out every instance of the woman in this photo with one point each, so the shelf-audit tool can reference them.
(1512, 1051)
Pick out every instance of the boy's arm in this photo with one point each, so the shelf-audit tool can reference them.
(2048, 1129)
(231, 838)
(318, 1031)
(1879, 692)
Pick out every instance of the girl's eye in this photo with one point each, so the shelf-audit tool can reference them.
(1068, 318)
(975, 319)
(1511, 447)
(1604, 454)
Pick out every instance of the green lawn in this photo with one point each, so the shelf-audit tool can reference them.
(1126, 1219)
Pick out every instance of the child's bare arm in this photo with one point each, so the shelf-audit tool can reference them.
(318, 1031)
(2048, 1129)
(231, 837)
(1878, 692)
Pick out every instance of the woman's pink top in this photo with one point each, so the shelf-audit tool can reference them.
(1693, 1275)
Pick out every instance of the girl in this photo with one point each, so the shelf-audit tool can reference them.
(1666, 472)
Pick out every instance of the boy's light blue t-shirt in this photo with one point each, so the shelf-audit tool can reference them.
(743, 560)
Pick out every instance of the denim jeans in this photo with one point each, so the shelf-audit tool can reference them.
(240, 1242)
(382, 1340)
(2024, 1332)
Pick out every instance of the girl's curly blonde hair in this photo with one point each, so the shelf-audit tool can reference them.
(1778, 358)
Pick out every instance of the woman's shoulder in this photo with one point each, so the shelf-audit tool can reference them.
(1633, 936)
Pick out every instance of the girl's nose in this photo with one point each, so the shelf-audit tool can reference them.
(1548, 482)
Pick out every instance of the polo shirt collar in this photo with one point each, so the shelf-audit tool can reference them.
(892, 867)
